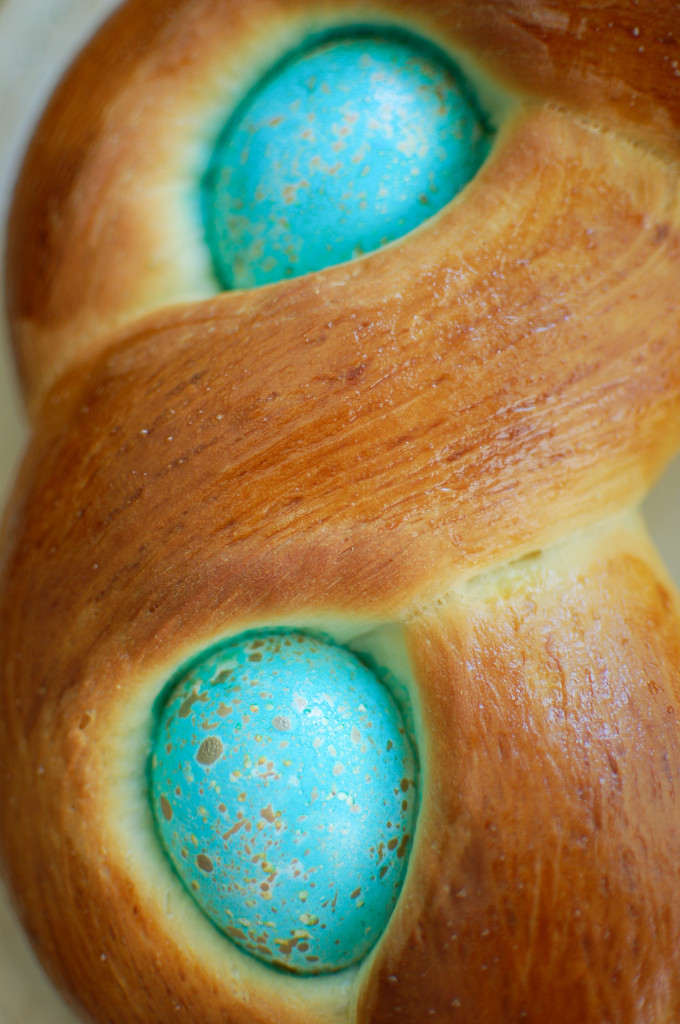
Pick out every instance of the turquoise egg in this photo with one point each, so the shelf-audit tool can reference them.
(345, 145)
(284, 788)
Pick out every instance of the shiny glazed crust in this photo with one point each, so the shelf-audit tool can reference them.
(433, 453)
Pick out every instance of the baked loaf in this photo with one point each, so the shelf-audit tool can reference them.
(434, 453)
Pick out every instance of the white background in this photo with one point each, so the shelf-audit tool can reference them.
(37, 37)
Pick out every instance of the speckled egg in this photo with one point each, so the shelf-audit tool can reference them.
(347, 144)
(284, 786)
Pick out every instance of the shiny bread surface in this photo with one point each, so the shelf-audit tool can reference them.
(434, 453)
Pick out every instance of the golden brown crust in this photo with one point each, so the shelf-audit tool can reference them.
(616, 65)
(359, 450)
(102, 226)
(459, 397)
(544, 870)
(556, 682)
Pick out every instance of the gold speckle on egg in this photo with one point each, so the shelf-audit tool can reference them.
(210, 750)
(188, 703)
(234, 829)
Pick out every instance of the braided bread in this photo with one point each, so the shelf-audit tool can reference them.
(426, 459)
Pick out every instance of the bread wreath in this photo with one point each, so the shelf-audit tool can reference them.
(435, 452)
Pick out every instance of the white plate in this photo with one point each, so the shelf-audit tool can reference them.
(37, 38)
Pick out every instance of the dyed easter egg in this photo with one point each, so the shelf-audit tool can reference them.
(284, 786)
(345, 145)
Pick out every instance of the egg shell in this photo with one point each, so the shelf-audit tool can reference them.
(284, 786)
(343, 147)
